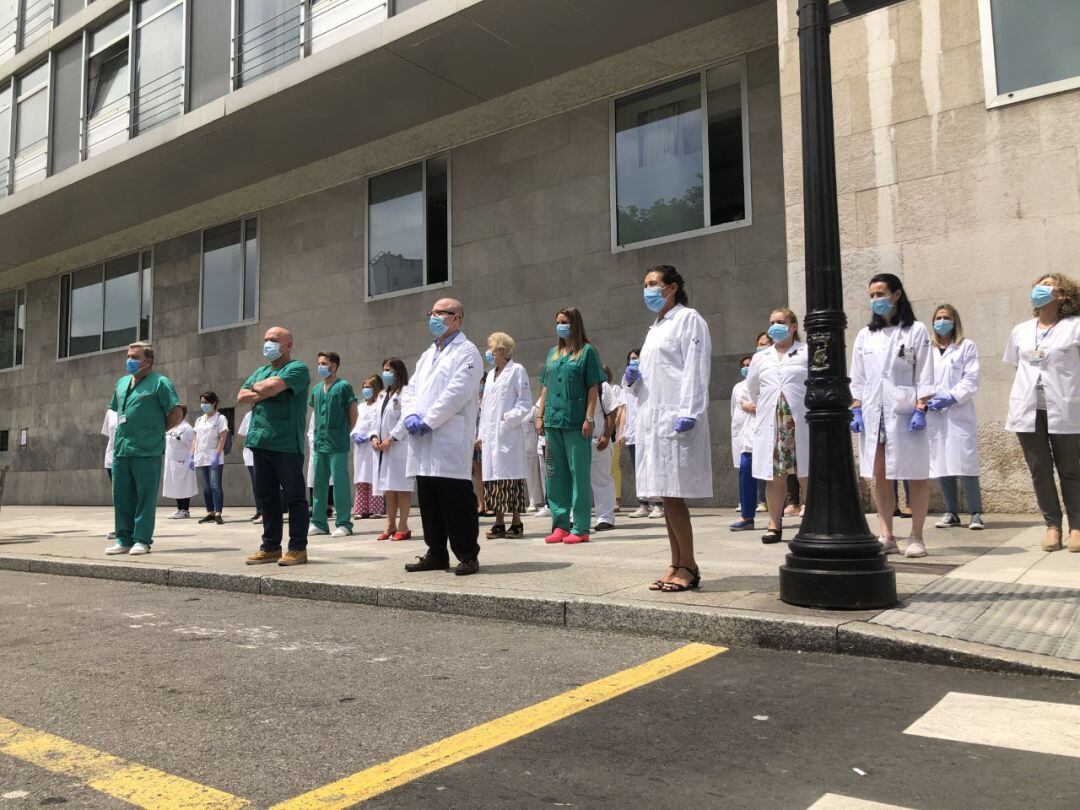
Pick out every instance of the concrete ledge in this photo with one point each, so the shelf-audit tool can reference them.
(14, 564)
(481, 605)
(319, 591)
(187, 578)
(101, 570)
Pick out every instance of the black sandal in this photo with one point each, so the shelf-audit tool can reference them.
(496, 531)
(515, 530)
(678, 587)
(658, 585)
(772, 536)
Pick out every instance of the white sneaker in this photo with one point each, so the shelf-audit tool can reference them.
(110, 536)
(313, 529)
(530, 509)
(641, 512)
(915, 548)
(139, 548)
(976, 522)
(180, 514)
(657, 512)
(340, 531)
(948, 520)
(116, 548)
(888, 546)
(543, 511)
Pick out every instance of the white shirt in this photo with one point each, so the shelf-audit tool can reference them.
(208, 430)
(242, 432)
(609, 402)
(1052, 359)
(108, 429)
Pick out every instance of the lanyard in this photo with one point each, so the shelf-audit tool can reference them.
(127, 395)
(1045, 334)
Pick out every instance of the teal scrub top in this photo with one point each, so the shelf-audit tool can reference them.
(140, 415)
(332, 416)
(277, 423)
(568, 380)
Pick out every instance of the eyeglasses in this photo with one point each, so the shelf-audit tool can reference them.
(441, 313)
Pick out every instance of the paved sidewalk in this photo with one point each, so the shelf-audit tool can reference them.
(604, 584)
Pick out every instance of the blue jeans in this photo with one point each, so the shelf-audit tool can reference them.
(972, 495)
(747, 487)
(210, 481)
(280, 477)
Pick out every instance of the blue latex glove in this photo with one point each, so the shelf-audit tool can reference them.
(918, 421)
(940, 403)
(191, 463)
(422, 427)
(412, 424)
(684, 423)
(632, 375)
(360, 439)
(857, 425)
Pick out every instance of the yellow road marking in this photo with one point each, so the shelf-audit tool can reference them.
(129, 781)
(379, 779)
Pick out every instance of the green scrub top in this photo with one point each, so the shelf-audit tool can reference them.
(332, 416)
(140, 415)
(568, 380)
(277, 423)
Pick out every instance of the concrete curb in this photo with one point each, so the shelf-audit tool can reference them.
(727, 627)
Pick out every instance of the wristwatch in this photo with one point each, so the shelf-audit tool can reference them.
(590, 420)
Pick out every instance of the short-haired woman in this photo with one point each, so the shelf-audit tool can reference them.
(951, 423)
(178, 478)
(1044, 406)
(743, 425)
(391, 482)
(892, 380)
(566, 417)
(365, 503)
(507, 402)
(208, 454)
(674, 456)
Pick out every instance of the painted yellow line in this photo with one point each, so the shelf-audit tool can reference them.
(379, 779)
(129, 781)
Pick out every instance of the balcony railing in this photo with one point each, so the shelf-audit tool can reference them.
(142, 109)
(37, 20)
(30, 163)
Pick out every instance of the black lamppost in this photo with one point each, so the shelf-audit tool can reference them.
(835, 561)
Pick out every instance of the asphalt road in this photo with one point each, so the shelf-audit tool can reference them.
(268, 698)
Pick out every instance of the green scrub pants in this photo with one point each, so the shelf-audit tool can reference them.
(569, 479)
(135, 483)
(336, 465)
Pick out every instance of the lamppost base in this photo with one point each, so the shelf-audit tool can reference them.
(839, 584)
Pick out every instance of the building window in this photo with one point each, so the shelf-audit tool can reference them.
(680, 158)
(31, 126)
(108, 86)
(331, 21)
(106, 306)
(9, 28)
(5, 140)
(408, 228)
(159, 68)
(268, 37)
(230, 275)
(1029, 48)
(36, 22)
(3, 441)
(12, 328)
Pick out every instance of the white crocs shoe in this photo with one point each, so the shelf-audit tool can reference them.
(341, 531)
(139, 548)
(313, 529)
(888, 546)
(641, 512)
(915, 548)
(117, 548)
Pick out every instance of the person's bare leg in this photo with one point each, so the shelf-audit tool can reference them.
(775, 494)
(391, 512)
(884, 497)
(673, 545)
(677, 516)
(803, 483)
(404, 504)
(919, 501)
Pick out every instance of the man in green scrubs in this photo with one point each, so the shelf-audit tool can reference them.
(146, 406)
(278, 395)
(335, 416)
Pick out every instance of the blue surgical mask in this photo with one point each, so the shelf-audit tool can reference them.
(367, 393)
(206, 407)
(654, 298)
(323, 371)
(944, 327)
(634, 363)
(436, 325)
(388, 378)
(131, 365)
(1041, 295)
(271, 350)
(881, 306)
(563, 330)
(489, 357)
(779, 331)
(760, 348)
(744, 370)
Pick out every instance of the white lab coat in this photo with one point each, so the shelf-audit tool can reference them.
(177, 480)
(242, 432)
(442, 392)
(108, 430)
(771, 374)
(676, 361)
(534, 473)
(389, 473)
(364, 458)
(603, 483)
(310, 477)
(743, 424)
(208, 430)
(629, 401)
(1057, 366)
(507, 402)
(954, 437)
(889, 383)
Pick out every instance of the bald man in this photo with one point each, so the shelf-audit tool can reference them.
(277, 393)
(441, 423)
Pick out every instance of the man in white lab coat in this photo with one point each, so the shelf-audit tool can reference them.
(441, 425)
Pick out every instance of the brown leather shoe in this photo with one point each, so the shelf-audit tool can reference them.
(427, 563)
(293, 558)
(1074, 541)
(466, 567)
(261, 557)
(1052, 540)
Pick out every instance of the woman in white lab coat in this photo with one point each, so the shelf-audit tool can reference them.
(892, 380)
(365, 504)
(951, 423)
(208, 455)
(178, 478)
(776, 384)
(1044, 406)
(391, 456)
(507, 402)
(743, 427)
(671, 426)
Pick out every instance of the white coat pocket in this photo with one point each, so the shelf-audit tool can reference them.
(904, 399)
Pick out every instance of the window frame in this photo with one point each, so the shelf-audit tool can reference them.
(703, 88)
(89, 54)
(135, 53)
(5, 187)
(18, 96)
(995, 99)
(243, 264)
(438, 285)
(20, 293)
(64, 340)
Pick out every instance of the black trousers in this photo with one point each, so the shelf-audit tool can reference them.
(278, 474)
(448, 512)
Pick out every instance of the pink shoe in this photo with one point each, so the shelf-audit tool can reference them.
(557, 536)
(571, 539)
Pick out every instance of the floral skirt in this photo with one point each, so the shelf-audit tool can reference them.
(505, 497)
(784, 462)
